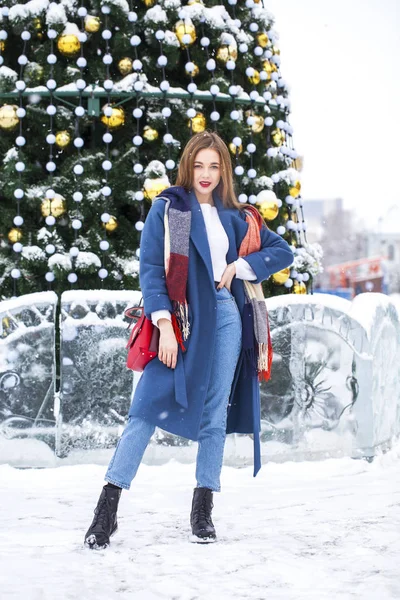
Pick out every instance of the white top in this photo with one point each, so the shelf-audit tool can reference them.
(219, 245)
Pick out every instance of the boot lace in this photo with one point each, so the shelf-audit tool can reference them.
(102, 513)
(204, 511)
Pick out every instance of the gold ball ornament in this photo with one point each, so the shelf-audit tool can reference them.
(269, 67)
(295, 190)
(276, 50)
(262, 40)
(225, 53)
(2, 46)
(185, 28)
(8, 117)
(281, 277)
(199, 123)
(193, 73)
(255, 78)
(56, 207)
(117, 118)
(195, 2)
(15, 235)
(278, 137)
(269, 210)
(299, 287)
(68, 45)
(258, 124)
(150, 134)
(63, 139)
(125, 66)
(92, 24)
(152, 187)
(149, 3)
(235, 149)
(111, 225)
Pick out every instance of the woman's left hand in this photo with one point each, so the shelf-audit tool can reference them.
(227, 276)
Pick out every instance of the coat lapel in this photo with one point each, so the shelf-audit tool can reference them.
(234, 226)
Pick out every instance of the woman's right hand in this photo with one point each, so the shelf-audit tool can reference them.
(168, 345)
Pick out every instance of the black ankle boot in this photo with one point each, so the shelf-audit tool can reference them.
(203, 530)
(104, 524)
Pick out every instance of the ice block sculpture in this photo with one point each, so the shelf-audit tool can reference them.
(95, 386)
(335, 386)
(27, 374)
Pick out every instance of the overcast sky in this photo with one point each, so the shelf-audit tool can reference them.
(341, 60)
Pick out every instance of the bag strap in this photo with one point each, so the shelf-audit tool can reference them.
(134, 312)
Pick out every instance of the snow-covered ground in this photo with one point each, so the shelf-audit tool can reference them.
(323, 530)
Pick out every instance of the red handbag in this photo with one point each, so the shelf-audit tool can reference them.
(143, 341)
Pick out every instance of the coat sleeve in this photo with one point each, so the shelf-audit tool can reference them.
(151, 261)
(275, 255)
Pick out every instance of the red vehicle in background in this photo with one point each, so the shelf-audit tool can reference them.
(362, 275)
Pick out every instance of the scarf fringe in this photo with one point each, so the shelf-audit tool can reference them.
(180, 322)
(177, 332)
(264, 376)
(265, 359)
(257, 362)
(184, 315)
(262, 363)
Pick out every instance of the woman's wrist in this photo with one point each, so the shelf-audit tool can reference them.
(164, 323)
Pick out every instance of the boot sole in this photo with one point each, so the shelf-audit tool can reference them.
(194, 539)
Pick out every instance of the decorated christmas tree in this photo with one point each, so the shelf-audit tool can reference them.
(97, 100)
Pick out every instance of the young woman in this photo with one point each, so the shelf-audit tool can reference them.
(192, 282)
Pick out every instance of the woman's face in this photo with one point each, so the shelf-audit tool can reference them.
(206, 169)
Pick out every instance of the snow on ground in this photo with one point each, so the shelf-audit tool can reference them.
(326, 530)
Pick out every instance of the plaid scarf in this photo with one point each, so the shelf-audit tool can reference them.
(177, 222)
(256, 338)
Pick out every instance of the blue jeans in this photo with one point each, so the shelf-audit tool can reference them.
(137, 433)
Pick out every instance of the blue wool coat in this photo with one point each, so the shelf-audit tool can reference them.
(173, 399)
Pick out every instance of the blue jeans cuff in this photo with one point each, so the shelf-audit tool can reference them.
(118, 483)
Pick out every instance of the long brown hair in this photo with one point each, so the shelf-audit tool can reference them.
(209, 139)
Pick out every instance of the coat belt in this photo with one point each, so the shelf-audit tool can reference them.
(180, 381)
